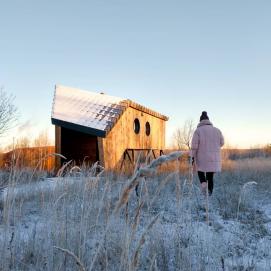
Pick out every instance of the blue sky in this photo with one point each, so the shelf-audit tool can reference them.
(177, 57)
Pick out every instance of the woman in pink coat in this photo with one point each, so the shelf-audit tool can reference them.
(206, 143)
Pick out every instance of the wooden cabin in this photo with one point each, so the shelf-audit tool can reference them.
(97, 127)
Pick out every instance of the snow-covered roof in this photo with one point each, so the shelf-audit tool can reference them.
(90, 112)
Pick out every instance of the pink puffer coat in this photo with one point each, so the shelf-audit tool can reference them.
(206, 143)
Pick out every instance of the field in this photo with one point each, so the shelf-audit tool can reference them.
(83, 222)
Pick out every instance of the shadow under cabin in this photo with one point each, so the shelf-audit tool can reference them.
(117, 132)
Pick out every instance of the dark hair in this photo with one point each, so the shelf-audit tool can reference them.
(204, 116)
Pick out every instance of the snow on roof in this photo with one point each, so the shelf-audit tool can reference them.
(90, 112)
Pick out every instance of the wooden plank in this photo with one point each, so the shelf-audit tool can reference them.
(146, 110)
(153, 152)
(101, 151)
(57, 146)
(123, 160)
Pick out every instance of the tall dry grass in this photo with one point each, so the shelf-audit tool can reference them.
(83, 222)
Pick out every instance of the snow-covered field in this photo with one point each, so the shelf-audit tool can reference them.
(84, 223)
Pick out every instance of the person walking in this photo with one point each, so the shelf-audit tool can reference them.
(205, 151)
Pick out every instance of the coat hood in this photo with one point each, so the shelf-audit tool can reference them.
(204, 122)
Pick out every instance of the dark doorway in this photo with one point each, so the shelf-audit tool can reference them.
(79, 147)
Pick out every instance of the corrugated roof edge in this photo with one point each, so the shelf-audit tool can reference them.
(53, 104)
(79, 128)
(145, 109)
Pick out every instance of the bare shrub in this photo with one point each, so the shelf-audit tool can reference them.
(8, 112)
(182, 136)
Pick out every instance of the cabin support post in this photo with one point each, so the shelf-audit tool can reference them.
(57, 146)
(101, 151)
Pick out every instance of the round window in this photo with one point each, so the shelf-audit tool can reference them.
(136, 126)
(148, 128)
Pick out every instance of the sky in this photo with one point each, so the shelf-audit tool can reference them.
(176, 57)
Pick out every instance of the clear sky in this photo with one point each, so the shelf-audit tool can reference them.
(177, 57)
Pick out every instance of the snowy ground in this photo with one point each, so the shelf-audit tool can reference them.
(72, 223)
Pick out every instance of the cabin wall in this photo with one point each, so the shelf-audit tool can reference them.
(122, 136)
(57, 146)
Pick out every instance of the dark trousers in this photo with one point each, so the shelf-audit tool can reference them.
(207, 176)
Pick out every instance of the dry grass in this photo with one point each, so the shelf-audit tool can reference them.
(98, 223)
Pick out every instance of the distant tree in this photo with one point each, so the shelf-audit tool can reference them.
(42, 139)
(23, 142)
(268, 148)
(8, 112)
(183, 135)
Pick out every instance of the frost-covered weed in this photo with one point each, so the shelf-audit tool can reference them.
(77, 222)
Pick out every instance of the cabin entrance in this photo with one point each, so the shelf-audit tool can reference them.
(79, 147)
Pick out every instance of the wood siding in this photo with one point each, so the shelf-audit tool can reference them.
(123, 137)
(58, 146)
(32, 157)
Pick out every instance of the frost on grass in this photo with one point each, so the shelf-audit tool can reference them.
(71, 223)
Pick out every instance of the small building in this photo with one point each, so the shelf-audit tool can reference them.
(97, 127)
